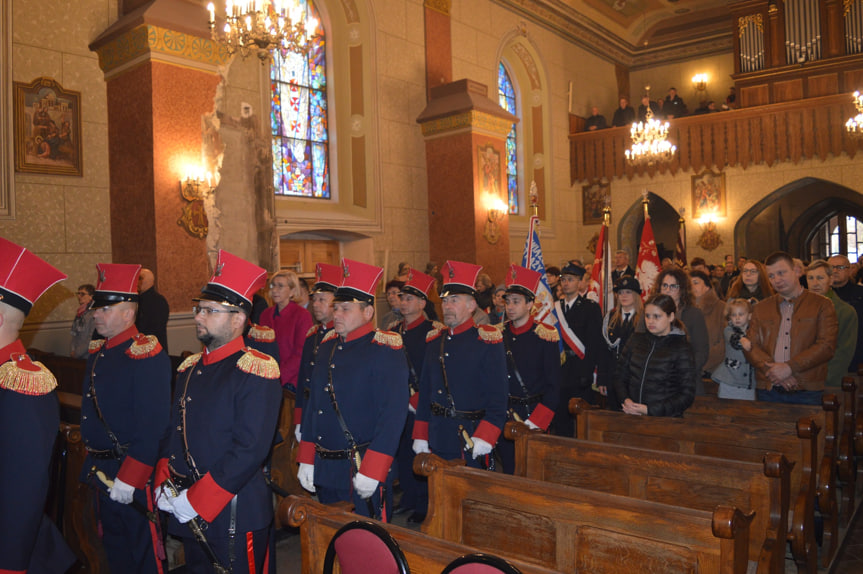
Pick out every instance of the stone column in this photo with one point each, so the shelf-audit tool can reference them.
(465, 134)
(438, 43)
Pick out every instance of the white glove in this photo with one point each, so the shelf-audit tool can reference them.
(183, 509)
(480, 447)
(412, 409)
(364, 485)
(531, 424)
(306, 476)
(420, 446)
(298, 434)
(163, 500)
(121, 492)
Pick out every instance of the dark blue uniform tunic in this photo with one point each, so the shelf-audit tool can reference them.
(368, 371)
(131, 375)
(307, 365)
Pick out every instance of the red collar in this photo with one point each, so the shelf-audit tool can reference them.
(360, 331)
(328, 325)
(420, 320)
(224, 351)
(523, 329)
(14, 348)
(121, 337)
(463, 327)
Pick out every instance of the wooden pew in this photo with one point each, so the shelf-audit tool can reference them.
(722, 440)
(672, 478)
(318, 523)
(283, 465)
(577, 530)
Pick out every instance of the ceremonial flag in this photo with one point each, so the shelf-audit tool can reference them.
(680, 249)
(532, 259)
(648, 264)
(600, 274)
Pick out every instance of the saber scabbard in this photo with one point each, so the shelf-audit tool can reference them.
(198, 532)
(108, 483)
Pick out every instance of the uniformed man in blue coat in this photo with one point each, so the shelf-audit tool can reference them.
(463, 386)
(327, 279)
(223, 420)
(357, 403)
(124, 413)
(29, 419)
(532, 360)
(413, 328)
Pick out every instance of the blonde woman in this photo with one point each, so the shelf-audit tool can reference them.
(290, 321)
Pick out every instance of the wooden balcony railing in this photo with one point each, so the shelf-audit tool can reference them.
(790, 131)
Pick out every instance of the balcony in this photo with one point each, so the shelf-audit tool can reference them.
(775, 133)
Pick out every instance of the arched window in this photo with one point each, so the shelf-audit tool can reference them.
(506, 97)
(840, 235)
(298, 83)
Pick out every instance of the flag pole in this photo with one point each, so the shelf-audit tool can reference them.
(644, 202)
(534, 199)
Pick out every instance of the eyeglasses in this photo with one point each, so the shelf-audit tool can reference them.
(205, 311)
(670, 286)
(839, 267)
(81, 293)
(749, 271)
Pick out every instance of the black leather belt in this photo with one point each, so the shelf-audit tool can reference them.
(524, 401)
(327, 454)
(441, 411)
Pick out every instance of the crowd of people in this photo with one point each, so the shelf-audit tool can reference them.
(456, 358)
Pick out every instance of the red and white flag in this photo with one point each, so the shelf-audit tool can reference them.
(600, 274)
(648, 265)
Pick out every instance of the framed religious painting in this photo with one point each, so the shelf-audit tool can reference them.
(708, 194)
(47, 122)
(594, 197)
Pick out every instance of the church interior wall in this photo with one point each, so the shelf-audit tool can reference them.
(718, 68)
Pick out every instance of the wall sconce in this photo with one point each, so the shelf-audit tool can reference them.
(496, 209)
(710, 238)
(194, 188)
(699, 82)
(196, 185)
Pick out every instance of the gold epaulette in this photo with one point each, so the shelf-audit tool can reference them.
(331, 334)
(144, 346)
(547, 333)
(21, 375)
(436, 330)
(189, 361)
(311, 332)
(96, 345)
(262, 333)
(489, 334)
(260, 364)
(388, 339)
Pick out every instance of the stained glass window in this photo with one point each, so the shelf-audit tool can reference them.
(298, 83)
(506, 96)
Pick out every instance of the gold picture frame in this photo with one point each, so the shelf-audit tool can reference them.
(595, 196)
(708, 194)
(47, 122)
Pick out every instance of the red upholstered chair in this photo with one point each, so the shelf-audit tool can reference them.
(480, 564)
(364, 547)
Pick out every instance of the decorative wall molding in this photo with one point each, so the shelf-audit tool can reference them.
(474, 120)
(7, 172)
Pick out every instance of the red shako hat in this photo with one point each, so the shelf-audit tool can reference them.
(327, 278)
(522, 280)
(117, 282)
(359, 281)
(234, 282)
(24, 277)
(459, 278)
(418, 283)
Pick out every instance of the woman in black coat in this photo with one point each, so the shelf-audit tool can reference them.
(656, 372)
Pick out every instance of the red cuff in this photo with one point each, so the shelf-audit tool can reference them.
(421, 430)
(541, 416)
(306, 453)
(376, 465)
(487, 432)
(208, 498)
(134, 472)
(162, 472)
(298, 415)
(414, 401)
(2, 571)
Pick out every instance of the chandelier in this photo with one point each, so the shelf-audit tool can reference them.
(854, 125)
(650, 143)
(261, 26)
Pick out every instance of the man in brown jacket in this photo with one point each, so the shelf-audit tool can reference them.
(793, 336)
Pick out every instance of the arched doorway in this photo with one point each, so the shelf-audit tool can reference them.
(664, 220)
(790, 219)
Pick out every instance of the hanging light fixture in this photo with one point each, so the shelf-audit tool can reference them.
(854, 125)
(650, 143)
(261, 26)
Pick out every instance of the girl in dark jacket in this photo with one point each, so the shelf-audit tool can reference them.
(656, 372)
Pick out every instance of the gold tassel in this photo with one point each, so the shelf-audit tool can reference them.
(489, 334)
(547, 333)
(260, 364)
(437, 329)
(190, 361)
(96, 345)
(21, 375)
(144, 346)
(262, 333)
(331, 334)
(388, 339)
(310, 333)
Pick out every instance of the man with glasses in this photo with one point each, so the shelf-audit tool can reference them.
(223, 419)
(851, 293)
(124, 413)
